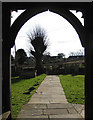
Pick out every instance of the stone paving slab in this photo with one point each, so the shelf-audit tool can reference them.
(39, 117)
(82, 113)
(71, 111)
(75, 116)
(80, 109)
(50, 103)
(59, 105)
(55, 111)
(34, 106)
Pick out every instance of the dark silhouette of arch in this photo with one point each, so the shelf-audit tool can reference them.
(27, 14)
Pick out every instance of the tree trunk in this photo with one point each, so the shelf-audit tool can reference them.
(39, 65)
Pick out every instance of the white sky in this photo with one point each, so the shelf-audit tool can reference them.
(62, 36)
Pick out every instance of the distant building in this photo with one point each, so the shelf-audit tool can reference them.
(70, 65)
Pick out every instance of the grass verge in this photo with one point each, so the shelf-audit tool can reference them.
(20, 92)
(74, 88)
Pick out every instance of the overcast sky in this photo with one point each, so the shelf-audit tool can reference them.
(62, 36)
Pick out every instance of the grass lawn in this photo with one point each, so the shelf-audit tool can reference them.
(20, 89)
(74, 88)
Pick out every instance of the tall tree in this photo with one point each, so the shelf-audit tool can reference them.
(38, 39)
(61, 55)
(20, 57)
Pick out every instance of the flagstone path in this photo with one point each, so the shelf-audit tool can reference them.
(49, 103)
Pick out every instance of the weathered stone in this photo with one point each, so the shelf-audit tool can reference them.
(58, 101)
(59, 105)
(55, 111)
(82, 114)
(26, 117)
(72, 111)
(78, 107)
(31, 112)
(34, 106)
(68, 116)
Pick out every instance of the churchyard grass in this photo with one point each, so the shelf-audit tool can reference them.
(73, 87)
(20, 91)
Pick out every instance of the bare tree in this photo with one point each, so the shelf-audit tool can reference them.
(38, 39)
(78, 53)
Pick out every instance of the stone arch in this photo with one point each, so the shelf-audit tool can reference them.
(28, 13)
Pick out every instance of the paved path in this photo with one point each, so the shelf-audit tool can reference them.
(49, 103)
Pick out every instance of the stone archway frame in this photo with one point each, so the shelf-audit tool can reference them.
(28, 13)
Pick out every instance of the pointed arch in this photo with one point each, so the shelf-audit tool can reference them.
(28, 13)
